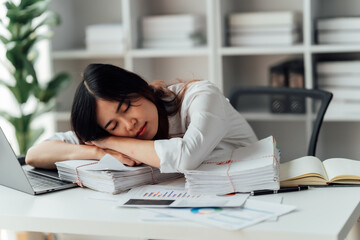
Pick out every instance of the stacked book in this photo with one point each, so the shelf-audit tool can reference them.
(289, 73)
(342, 78)
(104, 38)
(264, 28)
(172, 31)
(339, 30)
(246, 169)
(109, 175)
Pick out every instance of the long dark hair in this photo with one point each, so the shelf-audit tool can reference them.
(111, 83)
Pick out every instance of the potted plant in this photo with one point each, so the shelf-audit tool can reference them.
(28, 22)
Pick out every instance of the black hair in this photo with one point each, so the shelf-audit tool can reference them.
(112, 83)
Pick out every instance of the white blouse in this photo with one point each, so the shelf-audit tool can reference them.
(205, 127)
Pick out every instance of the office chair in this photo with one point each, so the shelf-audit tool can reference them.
(284, 102)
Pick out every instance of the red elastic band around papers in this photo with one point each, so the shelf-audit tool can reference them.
(78, 182)
(153, 175)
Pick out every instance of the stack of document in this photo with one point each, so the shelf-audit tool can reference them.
(109, 175)
(342, 78)
(172, 31)
(105, 38)
(264, 28)
(338, 30)
(245, 169)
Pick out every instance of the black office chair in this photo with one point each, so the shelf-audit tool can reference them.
(289, 102)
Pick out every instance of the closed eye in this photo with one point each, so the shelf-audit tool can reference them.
(114, 126)
(128, 106)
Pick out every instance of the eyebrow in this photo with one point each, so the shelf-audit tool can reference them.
(117, 110)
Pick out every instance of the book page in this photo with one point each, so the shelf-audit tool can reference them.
(302, 167)
(343, 169)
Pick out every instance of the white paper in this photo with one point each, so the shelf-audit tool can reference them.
(229, 218)
(170, 196)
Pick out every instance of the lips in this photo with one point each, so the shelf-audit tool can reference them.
(142, 130)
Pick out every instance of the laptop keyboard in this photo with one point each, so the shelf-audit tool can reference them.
(42, 182)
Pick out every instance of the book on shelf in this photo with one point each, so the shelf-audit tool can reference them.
(182, 21)
(338, 37)
(171, 31)
(338, 23)
(107, 32)
(249, 168)
(295, 76)
(339, 80)
(341, 108)
(109, 175)
(283, 29)
(344, 93)
(183, 43)
(105, 38)
(287, 74)
(265, 39)
(278, 103)
(338, 67)
(264, 18)
(310, 170)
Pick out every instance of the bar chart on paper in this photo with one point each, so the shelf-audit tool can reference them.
(169, 196)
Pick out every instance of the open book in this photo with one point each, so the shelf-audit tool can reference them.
(310, 170)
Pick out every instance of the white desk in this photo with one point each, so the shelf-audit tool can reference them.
(322, 214)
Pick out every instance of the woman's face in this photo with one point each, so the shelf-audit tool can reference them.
(135, 119)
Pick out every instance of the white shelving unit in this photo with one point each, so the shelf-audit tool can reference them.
(225, 66)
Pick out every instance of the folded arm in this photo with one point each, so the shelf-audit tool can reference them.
(47, 153)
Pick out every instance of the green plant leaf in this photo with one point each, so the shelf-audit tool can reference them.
(7, 116)
(2, 82)
(51, 19)
(4, 40)
(29, 67)
(45, 108)
(59, 83)
(30, 12)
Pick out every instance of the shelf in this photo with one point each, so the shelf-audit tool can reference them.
(84, 54)
(263, 50)
(335, 48)
(180, 52)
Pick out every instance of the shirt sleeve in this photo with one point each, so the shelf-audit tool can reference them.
(207, 127)
(68, 137)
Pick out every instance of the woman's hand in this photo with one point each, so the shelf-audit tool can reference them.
(126, 160)
(101, 144)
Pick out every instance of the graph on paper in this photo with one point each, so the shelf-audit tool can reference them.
(168, 196)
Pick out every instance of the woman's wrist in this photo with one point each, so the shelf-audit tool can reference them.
(98, 152)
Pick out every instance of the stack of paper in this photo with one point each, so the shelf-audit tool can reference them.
(264, 28)
(172, 31)
(104, 37)
(246, 169)
(338, 30)
(109, 175)
(342, 78)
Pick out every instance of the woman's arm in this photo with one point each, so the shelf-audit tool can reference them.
(45, 154)
(141, 150)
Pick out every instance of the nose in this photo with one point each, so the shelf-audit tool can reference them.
(129, 124)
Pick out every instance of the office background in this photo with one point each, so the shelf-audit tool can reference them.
(227, 66)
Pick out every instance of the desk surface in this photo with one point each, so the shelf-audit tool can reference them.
(322, 213)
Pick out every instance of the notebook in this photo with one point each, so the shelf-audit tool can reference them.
(26, 179)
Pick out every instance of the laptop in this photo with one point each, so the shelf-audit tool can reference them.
(26, 178)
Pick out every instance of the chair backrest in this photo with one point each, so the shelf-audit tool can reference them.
(287, 101)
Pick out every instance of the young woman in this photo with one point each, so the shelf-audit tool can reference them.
(174, 127)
